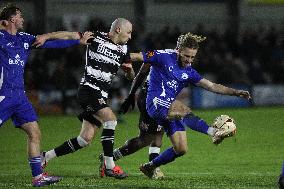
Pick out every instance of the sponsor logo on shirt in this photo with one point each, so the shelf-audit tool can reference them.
(107, 52)
(173, 84)
(17, 61)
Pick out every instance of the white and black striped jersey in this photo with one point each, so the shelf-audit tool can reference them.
(103, 59)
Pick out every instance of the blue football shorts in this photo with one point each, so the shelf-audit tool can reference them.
(19, 109)
(170, 127)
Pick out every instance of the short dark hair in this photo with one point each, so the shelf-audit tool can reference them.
(8, 11)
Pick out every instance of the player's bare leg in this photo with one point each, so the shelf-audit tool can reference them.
(178, 110)
(87, 133)
(33, 149)
(133, 145)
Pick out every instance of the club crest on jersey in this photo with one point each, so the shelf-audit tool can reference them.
(101, 101)
(150, 54)
(26, 45)
(120, 48)
(184, 76)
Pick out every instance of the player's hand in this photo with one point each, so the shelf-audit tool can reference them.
(127, 67)
(129, 102)
(40, 40)
(243, 94)
(85, 37)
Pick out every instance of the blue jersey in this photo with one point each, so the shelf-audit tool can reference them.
(167, 79)
(14, 53)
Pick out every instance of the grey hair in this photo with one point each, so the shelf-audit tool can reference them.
(119, 22)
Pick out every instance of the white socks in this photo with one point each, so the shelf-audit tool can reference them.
(50, 155)
(109, 162)
(211, 131)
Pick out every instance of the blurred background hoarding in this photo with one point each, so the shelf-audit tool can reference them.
(244, 46)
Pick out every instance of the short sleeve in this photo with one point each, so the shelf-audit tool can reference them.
(126, 58)
(194, 76)
(152, 57)
(28, 40)
(28, 37)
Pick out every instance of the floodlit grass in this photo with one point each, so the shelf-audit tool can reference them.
(252, 159)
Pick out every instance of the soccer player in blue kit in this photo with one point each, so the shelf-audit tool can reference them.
(15, 48)
(170, 72)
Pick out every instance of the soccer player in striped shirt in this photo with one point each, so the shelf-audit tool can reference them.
(170, 72)
(15, 48)
(104, 56)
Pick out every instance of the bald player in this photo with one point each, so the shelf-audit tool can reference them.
(104, 56)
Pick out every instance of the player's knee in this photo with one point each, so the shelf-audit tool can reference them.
(83, 142)
(110, 125)
(90, 118)
(177, 114)
(135, 143)
(178, 110)
(34, 135)
(142, 143)
(156, 143)
(181, 150)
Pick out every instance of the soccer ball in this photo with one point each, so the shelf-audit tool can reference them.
(225, 122)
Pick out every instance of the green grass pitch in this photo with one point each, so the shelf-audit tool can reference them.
(251, 160)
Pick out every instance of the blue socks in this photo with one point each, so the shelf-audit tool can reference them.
(35, 164)
(167, 156)
(195, 123)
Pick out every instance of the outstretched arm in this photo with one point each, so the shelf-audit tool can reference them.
(41, 39)
(136, 57)
(140, 78)
(67, 43)
(221, 89)
(137, 82)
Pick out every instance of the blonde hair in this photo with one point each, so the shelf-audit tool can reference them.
(189, 40)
